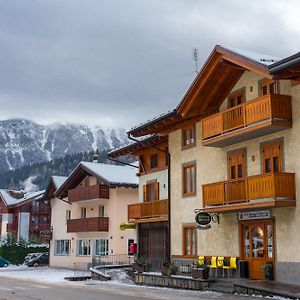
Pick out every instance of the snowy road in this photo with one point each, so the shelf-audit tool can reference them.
(48, 284)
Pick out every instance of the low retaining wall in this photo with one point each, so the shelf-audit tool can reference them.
(174, 281)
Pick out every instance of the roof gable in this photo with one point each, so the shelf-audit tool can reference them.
(218, 76)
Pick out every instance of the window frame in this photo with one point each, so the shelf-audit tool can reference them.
(89, 247)
(152, 156)
(191, 142)
(106, 247)
(147, 189)
(62, 253)
(192, 186)
(191, 228)
(234, 94)
(266, 81)
(83, 213)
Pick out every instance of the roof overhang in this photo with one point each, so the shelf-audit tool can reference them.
(134, 148)
(213, 83)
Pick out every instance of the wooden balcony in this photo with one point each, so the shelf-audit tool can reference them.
(260, 191)
(88, 224)
(148, 211)
(255, 118)
(87, 193)
(11, 227)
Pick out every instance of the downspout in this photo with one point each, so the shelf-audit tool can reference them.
(169, 192)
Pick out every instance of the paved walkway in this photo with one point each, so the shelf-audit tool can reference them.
(270, 287)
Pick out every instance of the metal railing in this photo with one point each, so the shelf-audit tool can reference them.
(112, 260)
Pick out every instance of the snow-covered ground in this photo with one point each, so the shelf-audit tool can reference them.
(40, 274)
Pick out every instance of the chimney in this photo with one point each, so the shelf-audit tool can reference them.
(96, 156)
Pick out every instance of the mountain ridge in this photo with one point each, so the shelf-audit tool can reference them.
(24, 142)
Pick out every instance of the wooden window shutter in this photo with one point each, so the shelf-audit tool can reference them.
(145, 193)
(156, 190)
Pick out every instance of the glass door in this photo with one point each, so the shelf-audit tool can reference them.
(257, 246)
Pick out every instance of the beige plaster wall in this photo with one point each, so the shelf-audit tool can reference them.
(115, 208)
(223, 239)
(161, 177)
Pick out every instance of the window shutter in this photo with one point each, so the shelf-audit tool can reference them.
(145, 193)
(156, 190)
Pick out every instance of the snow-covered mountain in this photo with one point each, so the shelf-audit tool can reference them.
(24, 142)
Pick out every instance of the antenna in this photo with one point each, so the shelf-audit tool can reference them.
(195, 58)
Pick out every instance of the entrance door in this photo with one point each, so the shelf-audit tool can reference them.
(257, 242)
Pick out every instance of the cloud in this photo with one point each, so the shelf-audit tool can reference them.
(117, 63)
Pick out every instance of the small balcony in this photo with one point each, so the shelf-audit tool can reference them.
(87, 193)
(88, 224)
(11, 227)
(255, 118)
(40, 227)
(260, 191)
(157, 210)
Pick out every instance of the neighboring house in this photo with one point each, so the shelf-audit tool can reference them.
(23, 215)
(234, 143)
(151, 213)
(87, 210)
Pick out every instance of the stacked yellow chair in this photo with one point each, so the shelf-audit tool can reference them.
(232, 266)
(213, 263)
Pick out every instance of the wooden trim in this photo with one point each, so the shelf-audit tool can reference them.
(193, 232)
(268, 144)
(148, 220)
(192, 129)
(235, 93)
(267, 81)
(189, 165)
(153, 171)
(242, 151)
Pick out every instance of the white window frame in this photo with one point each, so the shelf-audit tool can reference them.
(79, 244)
(106, 247)
(63, 245)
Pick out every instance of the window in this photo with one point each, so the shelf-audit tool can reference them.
(130, 241)
(68, 215)
(154, 161)
(84, 247)
(189, 240)
(236, 98)
(272, 157)
(62, 247)
(188, 136)
(101, 247)
(151, 191)
(189, 179)
(101, 211)
(267, 86)
(237, 164)
(83, 212)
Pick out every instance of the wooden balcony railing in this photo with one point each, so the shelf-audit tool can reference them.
(11, 227)
(154, 209)
(276, 186)
(272, 106)
(88, 224)
(40, 227)
(89, 192)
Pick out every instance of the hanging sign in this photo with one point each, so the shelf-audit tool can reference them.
(253, 215)
(124, 226)
(203, 218)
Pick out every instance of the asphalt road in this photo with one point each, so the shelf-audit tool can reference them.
(15, 289)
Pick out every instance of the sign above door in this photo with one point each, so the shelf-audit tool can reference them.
(254, 215)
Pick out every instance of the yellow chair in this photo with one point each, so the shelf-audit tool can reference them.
(213, 263)
(232, 266)
(220, 264)
(201, 260)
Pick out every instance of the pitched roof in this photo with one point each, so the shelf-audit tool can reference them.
(113, 175)
(14, 198)
(58, 180)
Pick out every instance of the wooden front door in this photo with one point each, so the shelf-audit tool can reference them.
(257, 240)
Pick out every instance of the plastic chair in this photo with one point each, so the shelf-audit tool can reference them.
(213, 264)
(232, 266)
(220, 263)
(201, 260)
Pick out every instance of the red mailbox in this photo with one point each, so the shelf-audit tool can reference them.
(133, 248)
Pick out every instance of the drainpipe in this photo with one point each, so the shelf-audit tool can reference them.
(169, 192)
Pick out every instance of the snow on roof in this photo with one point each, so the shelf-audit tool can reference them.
(58, 181)
(113, 173)
(12, 197)
(264, 59)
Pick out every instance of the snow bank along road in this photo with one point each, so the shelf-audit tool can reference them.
(48, 284)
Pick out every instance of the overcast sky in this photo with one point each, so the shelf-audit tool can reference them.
(117, 63)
